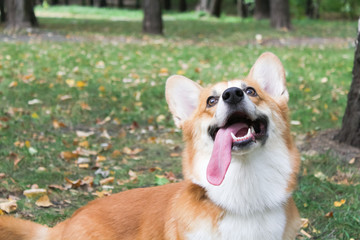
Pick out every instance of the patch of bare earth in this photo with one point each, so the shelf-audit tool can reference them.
(323, 143)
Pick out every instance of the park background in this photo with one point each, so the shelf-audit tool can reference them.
(83, 113)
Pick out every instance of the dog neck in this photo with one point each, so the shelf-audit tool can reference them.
(255, 182)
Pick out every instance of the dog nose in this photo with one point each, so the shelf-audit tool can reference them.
(233, 95)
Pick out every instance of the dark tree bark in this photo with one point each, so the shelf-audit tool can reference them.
(242, 9)
(167, 4)
(350, 130)
(280, 14)
(312, 9)
(137, 4)
(66, 2)
(215, 8)
(54, 2)
(103, 3)
(182, 6)
(91, 2)
(2, 11)
(152, 22)
(20, 14)
(262, 9)
(120, 4)
(83, 2)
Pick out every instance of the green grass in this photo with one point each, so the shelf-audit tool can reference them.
(124, 80)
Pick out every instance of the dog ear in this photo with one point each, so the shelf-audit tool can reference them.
(270, 74)
(182, 96)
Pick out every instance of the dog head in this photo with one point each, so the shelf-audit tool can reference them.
(230, 121)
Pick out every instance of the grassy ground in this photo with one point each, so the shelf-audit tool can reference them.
(115, 89)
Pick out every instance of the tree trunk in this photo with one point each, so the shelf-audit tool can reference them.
(120, 3)
(66, 2)
(182, 6)
(91, 2)
(167, 4)
(350, 131)
(152, 22)
(312, 9)
(2, 11)
(215, 8)
(20, 14)
(280, 14)
(262, 9)
(241, 7)
(103, 3)
(54, 2)
(203, 6)
(137, 4)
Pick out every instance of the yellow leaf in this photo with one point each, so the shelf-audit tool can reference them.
(102, 193)
(27, 144)
(84, 144)
(80, 84)
(13, 84)
(34, 115)
(68, 155)
(70, 82)
(8, 206)
(33, 193)
(339, 203)
(83, 165)
(333, 117)
(102, 89)
(326, 106)
(180, 72)
(107, 180)
(43, 201)
(100, 158)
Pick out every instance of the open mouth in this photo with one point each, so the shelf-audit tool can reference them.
(242, 130)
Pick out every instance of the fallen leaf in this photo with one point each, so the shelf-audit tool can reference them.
(8, 206)
(100, 158)
(105, 134)
(84, 144)
(34, 193)
(13, 84)
(107, 119)
(304, 222)
(101, 194)
(70, 82)
(43, 201)
(34, 101)
(65, 97)
(85, 152)
(84, 134)
(56, 124)
(107, 180)
(81, 84)
(2, 175)
(174, 154)
(133, 175)
(128, 151)
(352, 161)
(85, 106)
(329, 214)
(55, 186)
(339, 203)
(35, 115)
(75, 183)
(305, 234)
(68, 155)
(83, 165)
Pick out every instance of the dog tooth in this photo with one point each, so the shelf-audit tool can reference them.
(234, 137)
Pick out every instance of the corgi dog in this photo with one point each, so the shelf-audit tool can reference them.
(240, 168)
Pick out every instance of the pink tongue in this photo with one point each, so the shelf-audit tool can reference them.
(221, 154)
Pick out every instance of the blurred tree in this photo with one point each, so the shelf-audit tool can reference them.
(262, 9)
(242, 8)
(120, 4)
(2, 11)
(350, 130)
(152, 22)
(91, 2)
(167, 4)
(215, 8)
(182, 6)
(280, 14)
(103, 3)
(19, 14)
(54, 2)
(66, 2)
(312, 9)
(203, 6)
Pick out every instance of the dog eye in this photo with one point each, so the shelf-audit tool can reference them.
(251, 92)
(212, 101)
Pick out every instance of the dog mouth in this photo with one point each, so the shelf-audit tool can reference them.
(242, 129)
(238, 133)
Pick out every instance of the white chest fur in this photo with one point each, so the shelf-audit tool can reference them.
(268, 225)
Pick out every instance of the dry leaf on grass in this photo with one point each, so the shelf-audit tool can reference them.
(106, 180)
(8, 206)
(43, 201)
(34, 193)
